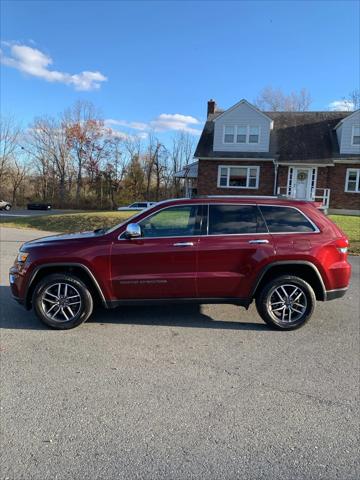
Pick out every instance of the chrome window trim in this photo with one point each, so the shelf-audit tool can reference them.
(316, 229)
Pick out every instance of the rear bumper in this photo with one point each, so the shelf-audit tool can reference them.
(334, 294)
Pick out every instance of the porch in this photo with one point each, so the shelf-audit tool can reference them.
(304, 183)
(188, 174)
(321, 195)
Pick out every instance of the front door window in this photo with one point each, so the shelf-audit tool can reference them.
(179, 221)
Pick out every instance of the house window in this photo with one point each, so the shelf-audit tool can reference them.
(229, 134)
(352, 184)
(238, 177)
(355, 139)
(242, 133)
(254, 134)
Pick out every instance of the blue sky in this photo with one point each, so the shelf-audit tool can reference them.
(155, 64)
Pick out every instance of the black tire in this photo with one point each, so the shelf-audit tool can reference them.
(81, 308)
(7, 207)
(287, 314)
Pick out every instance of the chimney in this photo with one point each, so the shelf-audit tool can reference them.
(211, 107)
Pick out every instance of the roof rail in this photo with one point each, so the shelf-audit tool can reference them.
(239, 196)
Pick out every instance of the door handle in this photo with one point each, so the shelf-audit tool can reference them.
(183, 244)
(259, 241)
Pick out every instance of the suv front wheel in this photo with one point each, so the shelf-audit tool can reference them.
(62, 301)
(286, 303)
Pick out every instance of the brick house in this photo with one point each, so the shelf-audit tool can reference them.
(305, 155)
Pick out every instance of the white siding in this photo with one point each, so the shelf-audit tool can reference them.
(243, 114)
(346, 134)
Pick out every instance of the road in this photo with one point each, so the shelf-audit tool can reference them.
(179, 392)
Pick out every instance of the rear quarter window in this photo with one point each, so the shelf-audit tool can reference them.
(286, 220)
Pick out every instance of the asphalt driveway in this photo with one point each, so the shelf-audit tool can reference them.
(178, 392)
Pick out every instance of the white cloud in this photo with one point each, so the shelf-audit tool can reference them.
(341, 105)
(162, 123)
(33, 62)
(124, 123)
(176, 121)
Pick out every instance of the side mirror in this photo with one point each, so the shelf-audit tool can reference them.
(133, 230)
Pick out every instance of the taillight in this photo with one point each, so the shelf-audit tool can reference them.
(342, 244)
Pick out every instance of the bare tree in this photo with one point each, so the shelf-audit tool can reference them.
(160, 169)
(275, 100)
(353, 100)
(17, 174)
(134, 179)
(180, 153)
(119, 163)
(48, 140)
(84, 134)
(9, 143)
(149, 161)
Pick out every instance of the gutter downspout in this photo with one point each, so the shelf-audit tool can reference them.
(276, 167)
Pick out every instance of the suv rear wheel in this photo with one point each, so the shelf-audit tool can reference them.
(286, 303)
(62, 301)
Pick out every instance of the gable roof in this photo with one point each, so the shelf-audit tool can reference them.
(296, 137)
(242, 102)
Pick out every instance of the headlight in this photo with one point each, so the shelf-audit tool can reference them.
(22, 256)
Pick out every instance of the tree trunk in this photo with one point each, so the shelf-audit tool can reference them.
(78, 187)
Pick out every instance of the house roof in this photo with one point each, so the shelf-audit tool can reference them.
(243, 101)
(189, 171)
(296, 137)
(352, 114)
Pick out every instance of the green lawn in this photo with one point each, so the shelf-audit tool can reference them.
(69, 222)
(74, 222)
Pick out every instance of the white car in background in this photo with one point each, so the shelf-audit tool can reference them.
(137, 206)
(5, 205)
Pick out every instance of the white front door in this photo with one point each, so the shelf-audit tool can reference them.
(302, 183)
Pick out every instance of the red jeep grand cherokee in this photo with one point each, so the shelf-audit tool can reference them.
(283, 254)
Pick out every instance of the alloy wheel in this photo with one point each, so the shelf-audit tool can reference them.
(61, 302)
(287, 303)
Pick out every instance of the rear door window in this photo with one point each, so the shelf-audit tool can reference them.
(285, 220)
(235, 219)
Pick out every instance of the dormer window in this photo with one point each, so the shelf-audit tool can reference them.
(243, 134)
(355, 138)
(229, 134)
(254, 133)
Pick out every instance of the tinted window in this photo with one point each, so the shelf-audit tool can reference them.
(285, 219)
(232, 219)
(171, 222)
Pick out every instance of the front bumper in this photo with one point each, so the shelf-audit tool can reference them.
(334, 294)
(16, 285)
